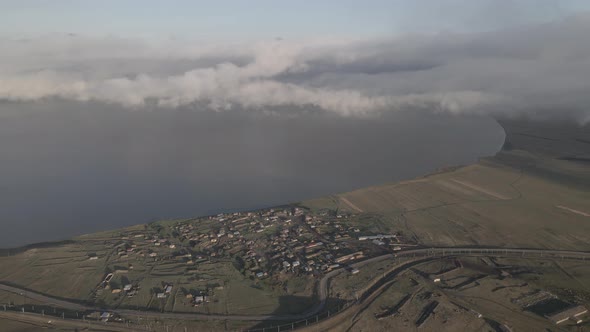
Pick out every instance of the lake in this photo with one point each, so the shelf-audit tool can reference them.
(69, 168)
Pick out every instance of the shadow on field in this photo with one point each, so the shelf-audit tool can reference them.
(286, 305)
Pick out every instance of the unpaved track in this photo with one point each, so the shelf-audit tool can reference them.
(350, 204)
(481, 190)
(574, 211)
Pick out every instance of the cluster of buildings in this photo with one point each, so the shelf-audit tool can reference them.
(129, 290)
(167, 291)
(273, 242)
(265, 244)
(197, 299)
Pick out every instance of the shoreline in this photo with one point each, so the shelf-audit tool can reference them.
(7, 251)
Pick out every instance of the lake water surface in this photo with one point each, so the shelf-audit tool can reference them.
(69, 168)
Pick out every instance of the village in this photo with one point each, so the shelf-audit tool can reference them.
(268, 246)
(246, 263)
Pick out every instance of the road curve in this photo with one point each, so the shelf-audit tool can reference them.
(322, 284)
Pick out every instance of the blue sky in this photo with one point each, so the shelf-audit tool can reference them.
(260, 19)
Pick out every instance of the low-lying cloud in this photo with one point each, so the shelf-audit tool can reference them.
(541, 69)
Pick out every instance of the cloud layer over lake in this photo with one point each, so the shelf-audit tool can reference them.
(540, 69)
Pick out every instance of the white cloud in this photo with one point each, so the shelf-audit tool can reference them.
(543, 67)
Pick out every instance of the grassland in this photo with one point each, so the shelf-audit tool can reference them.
(491, 203)
(65, 271)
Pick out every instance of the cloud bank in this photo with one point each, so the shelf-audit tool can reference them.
(542, 69)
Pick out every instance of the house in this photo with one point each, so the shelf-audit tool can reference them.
(348, 257)
(201, 299)
(161, 295)
(314, 244)
(127, 287)
(105, 316)
(168, 289)
(378, 242)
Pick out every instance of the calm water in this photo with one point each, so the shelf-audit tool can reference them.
(71, 168)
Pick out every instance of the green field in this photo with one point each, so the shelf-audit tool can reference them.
(65, 271)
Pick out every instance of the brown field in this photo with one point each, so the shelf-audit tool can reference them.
(488, 204)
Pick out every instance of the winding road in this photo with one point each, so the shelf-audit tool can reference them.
(415, 255)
